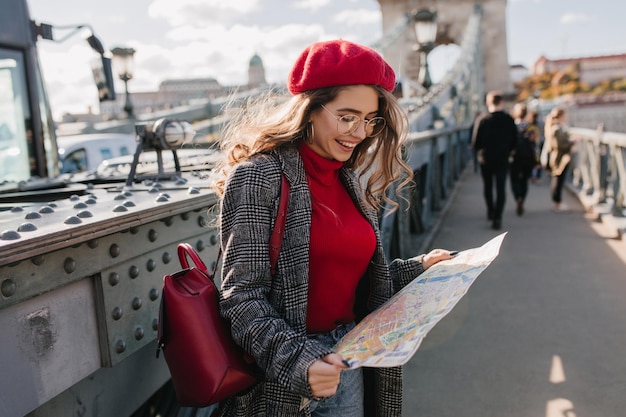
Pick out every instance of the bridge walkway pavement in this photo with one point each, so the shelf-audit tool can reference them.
(542, 332)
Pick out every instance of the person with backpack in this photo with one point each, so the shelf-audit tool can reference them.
(524, 156)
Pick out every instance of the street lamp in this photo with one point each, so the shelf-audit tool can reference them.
(425, 25)
(123, 59)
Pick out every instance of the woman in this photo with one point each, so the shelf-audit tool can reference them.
(341, 123)
(556, 154)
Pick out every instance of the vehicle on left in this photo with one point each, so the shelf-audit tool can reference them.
(84, 153)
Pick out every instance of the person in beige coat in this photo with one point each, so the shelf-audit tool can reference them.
(556, 154)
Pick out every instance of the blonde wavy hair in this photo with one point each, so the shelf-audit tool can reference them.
(273, 121)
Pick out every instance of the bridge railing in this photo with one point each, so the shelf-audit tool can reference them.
(437, 149)
(437, 157)
(599, 170)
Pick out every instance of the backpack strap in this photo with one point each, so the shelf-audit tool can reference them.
(276, 239)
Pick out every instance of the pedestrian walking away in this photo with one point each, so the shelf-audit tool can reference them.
(524, 157)
(494, 138)
(337, 140)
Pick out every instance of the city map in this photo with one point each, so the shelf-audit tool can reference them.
(391, 335)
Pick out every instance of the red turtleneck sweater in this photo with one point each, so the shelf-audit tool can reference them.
(342, 245)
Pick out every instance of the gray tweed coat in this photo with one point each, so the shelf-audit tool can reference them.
(268, 314)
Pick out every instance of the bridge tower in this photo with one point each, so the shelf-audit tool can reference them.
(452, 19)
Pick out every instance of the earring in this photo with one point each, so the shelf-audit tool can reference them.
(311, 134)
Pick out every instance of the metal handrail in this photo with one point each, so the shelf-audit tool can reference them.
(599, 169)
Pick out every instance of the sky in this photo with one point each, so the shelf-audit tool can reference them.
(177, 39)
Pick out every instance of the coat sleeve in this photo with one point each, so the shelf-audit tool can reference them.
(403, 271)
(247, 216)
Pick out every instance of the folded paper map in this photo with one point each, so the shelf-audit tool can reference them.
(391, 335)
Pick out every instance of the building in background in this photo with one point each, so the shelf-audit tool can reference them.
(256, 72)
(172, 93)
(518, 72)
(592, 69)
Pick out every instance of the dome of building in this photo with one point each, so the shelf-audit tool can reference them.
(256, 72)
(256, 60)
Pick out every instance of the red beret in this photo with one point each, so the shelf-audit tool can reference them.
(339, 62)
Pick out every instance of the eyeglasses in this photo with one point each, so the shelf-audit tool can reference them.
(349, 123)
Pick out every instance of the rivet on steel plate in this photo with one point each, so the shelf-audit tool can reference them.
(9, 235)
(114, 278)
(202, 222)
(83, 214)
(133, 271)
(120, 346)
(139, 333)
(166, 258)
(117, 313)
(73, 220)
(8, 287)
(69, 265)
(27, 227)
(114, 250)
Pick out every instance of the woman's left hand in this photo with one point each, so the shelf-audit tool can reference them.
(436, 255)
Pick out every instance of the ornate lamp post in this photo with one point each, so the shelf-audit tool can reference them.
(425, 25)
(123, 59)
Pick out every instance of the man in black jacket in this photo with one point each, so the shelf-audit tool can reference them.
(493, 139)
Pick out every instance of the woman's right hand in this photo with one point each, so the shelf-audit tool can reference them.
(324, 375)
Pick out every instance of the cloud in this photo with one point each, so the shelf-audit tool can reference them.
(359, 17)
(201, 12)
(569, 18)
(312, 5)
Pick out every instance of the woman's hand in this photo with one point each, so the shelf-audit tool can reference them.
(324, 375)
(436, 255)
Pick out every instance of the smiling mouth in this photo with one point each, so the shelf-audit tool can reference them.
(347, 144)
